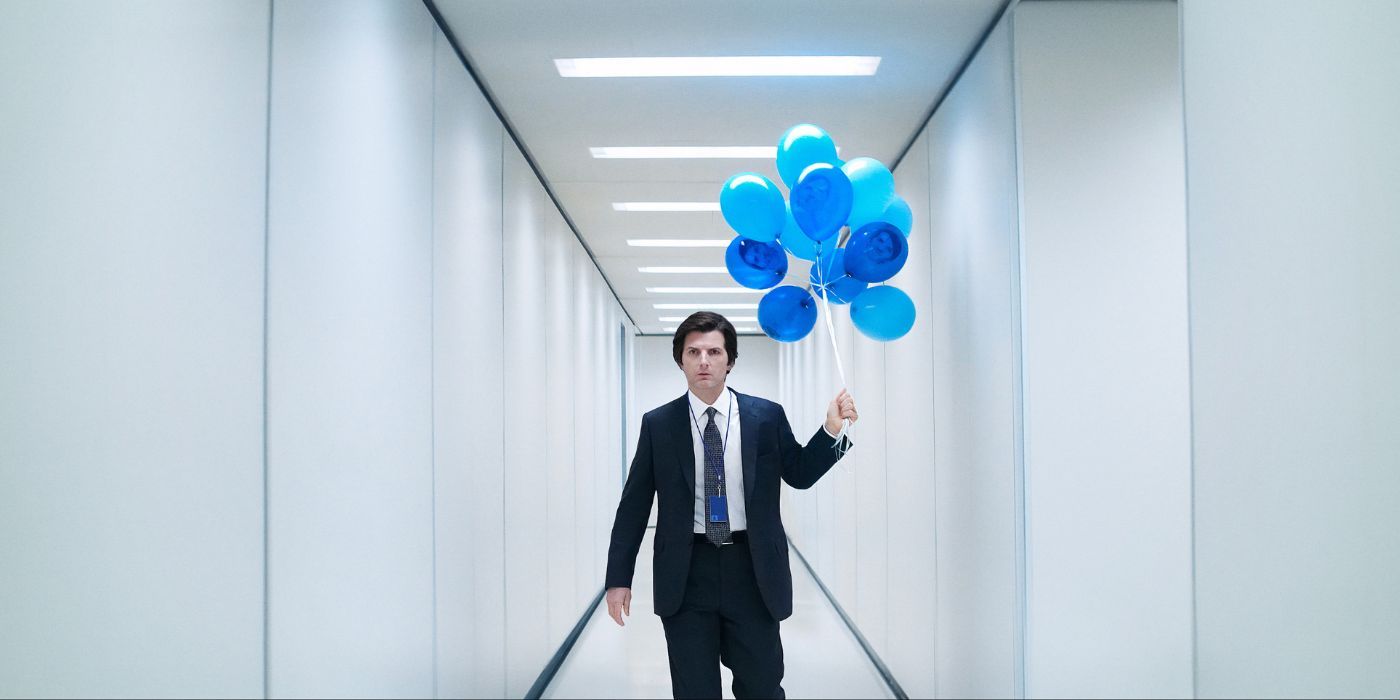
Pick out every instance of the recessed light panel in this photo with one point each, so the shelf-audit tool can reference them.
(764, 152)
(678, 243)
(704, 290)
(683, 270)
(666, 206)
(716, 66)
(704, 305)
(732, 319)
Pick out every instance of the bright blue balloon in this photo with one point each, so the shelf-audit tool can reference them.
(883, 313)
(898, 214)
(796, 241)
(753, 206)
(830, 272)
(787, 313)
(755, 264)
(875, 252)
(821, 201)
(872, 188)
(800, 147)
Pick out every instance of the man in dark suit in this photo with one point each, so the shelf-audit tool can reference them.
(713, 459)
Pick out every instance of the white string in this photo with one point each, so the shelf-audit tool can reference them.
(846, 430)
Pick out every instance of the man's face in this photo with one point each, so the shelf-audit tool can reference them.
(705, 361)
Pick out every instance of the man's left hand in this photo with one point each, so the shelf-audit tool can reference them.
(842, 407)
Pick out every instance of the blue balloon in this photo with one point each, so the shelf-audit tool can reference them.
(829, 272)
(898, 214)
(872, 188)
(755, 264)
(787, 313)
(753, 206)
(875, 252)
(821, 201)
(800, 147)
(883, 313)
(796, 241)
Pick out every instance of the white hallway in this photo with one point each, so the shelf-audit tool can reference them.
(322, 359)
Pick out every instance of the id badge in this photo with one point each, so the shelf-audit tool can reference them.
(719, 509)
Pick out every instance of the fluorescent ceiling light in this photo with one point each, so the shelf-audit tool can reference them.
(704, 305)
(684, 151)
(732, 319)
(737, 329)
(703, 66)
(677, 243)
(764, 152)
(704, 290)
(666, 206)
(683, 270)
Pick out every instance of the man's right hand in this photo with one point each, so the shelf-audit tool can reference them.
(619, 603)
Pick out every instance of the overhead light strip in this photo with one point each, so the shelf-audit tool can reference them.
(732, 319)
(678, 242)
(684, 270)
(704, 305)
(666, 206)
(703, 290)
(716, 66)
(684, 151)
(737, 329)
(677, 152)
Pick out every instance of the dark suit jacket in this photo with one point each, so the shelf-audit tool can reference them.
(665, 466)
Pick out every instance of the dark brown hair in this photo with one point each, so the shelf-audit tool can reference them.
(704, 322)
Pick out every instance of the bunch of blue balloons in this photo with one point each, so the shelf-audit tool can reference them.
(826, 195)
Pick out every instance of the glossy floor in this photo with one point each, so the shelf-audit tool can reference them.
(822, 657)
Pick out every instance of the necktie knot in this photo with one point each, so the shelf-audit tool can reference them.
(711, 413)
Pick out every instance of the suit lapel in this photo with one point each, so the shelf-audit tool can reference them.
(748, 441)
(681, 439)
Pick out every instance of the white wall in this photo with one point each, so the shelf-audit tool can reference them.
(349, 351)
(1104, 348)
(469, 359)
(975, 321)
(1292, 163)
(1029, 529)
(435, 441)
(131, 316)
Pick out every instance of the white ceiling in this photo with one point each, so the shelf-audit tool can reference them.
(512, 46)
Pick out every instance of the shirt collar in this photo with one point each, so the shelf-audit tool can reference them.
(722, 405)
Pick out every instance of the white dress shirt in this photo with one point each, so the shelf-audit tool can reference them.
(727, 421)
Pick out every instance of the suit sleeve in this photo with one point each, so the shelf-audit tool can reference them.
(630, 523)
(803, 465)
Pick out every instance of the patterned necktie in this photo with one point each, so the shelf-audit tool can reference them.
(716, 533)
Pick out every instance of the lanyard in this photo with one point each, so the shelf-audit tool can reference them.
(724, 445)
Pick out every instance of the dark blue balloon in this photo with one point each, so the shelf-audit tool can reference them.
(787, 313)
(830, 272)
(883, 313)
(755, 264)
(875, 252)
(821, 200)
(801, 146)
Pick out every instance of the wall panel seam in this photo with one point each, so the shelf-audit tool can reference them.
(267, 215)
(432, 341)
(1020, 480)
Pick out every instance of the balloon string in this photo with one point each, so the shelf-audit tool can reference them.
(836, 350)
